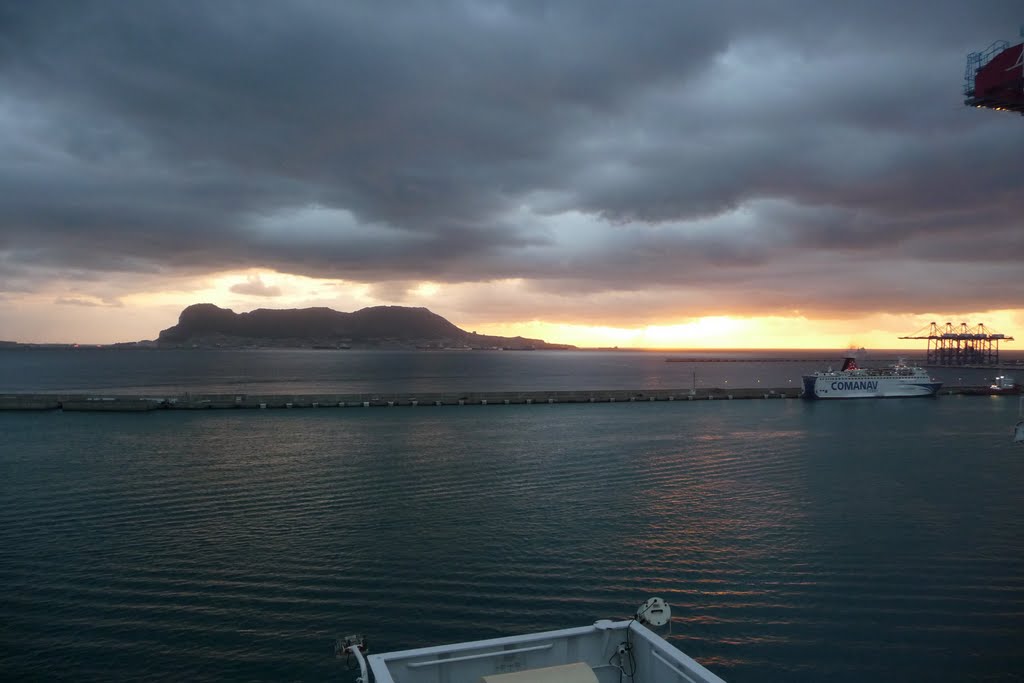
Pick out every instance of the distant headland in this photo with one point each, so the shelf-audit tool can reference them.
(206, 326)
(377, 327)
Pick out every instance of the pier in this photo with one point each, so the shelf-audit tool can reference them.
(189, 401)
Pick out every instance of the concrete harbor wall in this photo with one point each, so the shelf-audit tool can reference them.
(146, 403)
(29, 402)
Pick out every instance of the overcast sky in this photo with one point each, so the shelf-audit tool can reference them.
(608, 164)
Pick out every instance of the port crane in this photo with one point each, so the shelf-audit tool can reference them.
(960, 345)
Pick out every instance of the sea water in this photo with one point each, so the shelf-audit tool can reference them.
(807, 541)
(261, 371)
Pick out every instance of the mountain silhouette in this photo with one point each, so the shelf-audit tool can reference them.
(206, 325)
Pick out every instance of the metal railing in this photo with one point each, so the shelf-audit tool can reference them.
(976, 60)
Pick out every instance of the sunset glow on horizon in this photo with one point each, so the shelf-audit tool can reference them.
(140, 316)
(723, 332)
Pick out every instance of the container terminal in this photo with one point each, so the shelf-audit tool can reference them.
(961, 346)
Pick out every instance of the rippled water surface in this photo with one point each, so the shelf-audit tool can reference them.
(863, 540)
(175, 371)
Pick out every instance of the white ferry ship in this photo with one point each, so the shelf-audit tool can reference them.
(856, 382)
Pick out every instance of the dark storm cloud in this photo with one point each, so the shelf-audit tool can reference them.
(726, 145)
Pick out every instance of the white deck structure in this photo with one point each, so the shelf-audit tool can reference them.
(605, 652)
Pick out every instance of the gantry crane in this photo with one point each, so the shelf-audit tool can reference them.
(961, 345)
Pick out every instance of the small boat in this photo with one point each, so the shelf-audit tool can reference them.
(1004, 384)
(606, 651)
(852, 381)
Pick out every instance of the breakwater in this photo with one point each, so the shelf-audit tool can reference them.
(188, 401)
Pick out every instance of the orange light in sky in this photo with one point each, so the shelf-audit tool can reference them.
(70, 312)
(880, 331)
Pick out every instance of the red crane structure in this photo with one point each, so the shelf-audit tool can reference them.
(958, 346)
(995, 77)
